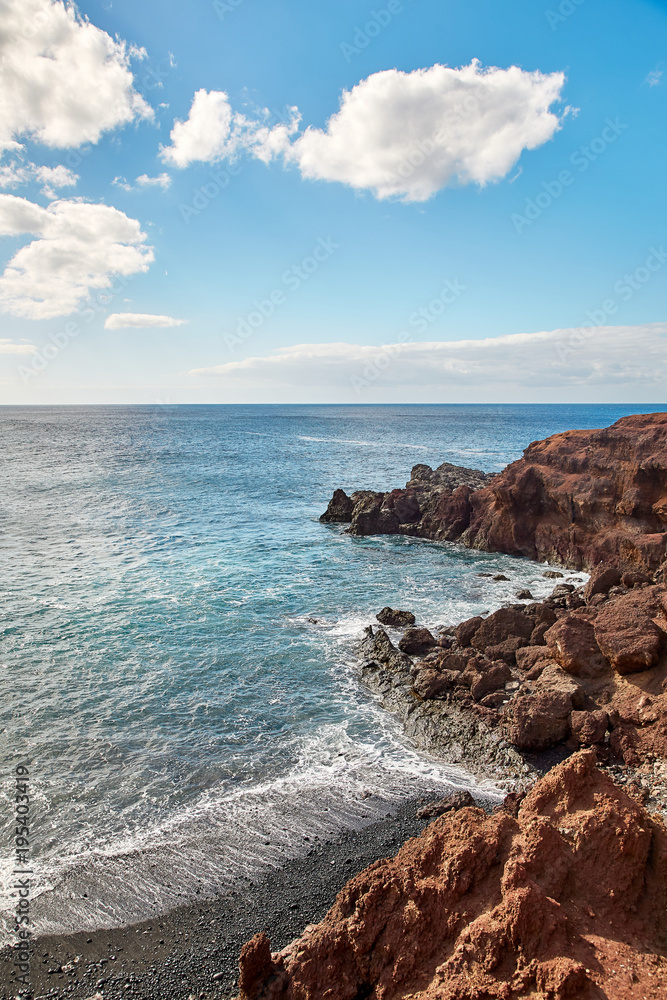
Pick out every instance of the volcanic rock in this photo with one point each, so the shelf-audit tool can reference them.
(562, 901)
(416, 640)
(340, 508)
(580, 498)
(629, 630)
(572, 643)
(589, 727)
(457, 800)
(395, 618)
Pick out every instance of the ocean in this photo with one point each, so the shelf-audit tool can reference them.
(178, 633)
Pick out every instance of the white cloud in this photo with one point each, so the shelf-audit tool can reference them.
(63, 81)
(124, 321)
(7, 347)
(16, 173)
(411, 134)
(559, 358)
(144, 181)
(162, 180)
(79, 247)
(654, 77)
(212, 131)
(396, 134)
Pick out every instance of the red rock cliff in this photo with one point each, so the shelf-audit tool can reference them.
(578, 498)
(564, 897)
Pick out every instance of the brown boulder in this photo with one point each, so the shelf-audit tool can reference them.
(500, 626)
(496, 676)
(430, 684)
(415, 641)
(539, 721)
(466, 630)
(627, 633)
(602, 579)
(507, 649)
(457, 800)
(589, 727)
(529, 656)
(572, 643)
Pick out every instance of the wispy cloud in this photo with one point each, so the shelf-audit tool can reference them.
(125, 321)
(654, 77)
(609, 355)
(7, 347)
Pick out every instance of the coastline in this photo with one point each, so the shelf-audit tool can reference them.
(182, 954)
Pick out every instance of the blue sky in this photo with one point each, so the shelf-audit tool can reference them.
(522, 260)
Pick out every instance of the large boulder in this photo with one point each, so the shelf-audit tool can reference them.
(415, 641)
(629, 630)
(558, 896)
(500, 626)
(539, 721)
(572, 643)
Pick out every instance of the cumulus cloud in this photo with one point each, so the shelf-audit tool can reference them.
(52, 178)
(123, 321)
(411, 134)
(396, 134)
(580, 358)
(79, 247)
(63, 81)
(7, 347)
(213, 131)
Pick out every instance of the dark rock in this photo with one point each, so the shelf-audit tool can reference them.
(457, 800)
(340, 508)
(499, 577)
(415, 640)
(500, 626)
(524, 595)
(490, 680)
(395, 618)
(552, 574)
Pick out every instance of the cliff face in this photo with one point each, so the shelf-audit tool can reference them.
(557, 898)
(578, 498)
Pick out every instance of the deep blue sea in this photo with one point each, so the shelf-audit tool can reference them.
(178, 630)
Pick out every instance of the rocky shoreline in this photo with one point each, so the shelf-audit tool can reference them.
(560, 893)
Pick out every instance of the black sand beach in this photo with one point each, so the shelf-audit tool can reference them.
(192, 952)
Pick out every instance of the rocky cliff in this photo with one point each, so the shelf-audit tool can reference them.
(558, 896)
(578, 498)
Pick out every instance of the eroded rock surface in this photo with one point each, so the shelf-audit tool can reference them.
(580, 498)
(510, 905)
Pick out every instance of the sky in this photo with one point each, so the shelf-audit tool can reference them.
(229, 201)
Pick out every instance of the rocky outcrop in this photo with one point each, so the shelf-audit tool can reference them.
(580, 498)
(510, 905)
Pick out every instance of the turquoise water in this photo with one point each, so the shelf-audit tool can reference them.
(177, 633)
